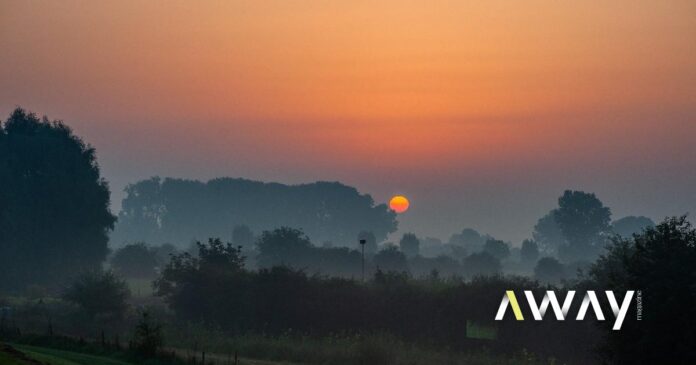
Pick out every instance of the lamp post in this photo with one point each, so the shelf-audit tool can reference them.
(362, 247)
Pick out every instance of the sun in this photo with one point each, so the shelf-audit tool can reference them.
(399, 203)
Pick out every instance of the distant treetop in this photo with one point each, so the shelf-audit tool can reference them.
(178, 211)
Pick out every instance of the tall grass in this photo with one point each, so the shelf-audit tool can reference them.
(377, 349)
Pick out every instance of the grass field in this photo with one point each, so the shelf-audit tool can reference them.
(55, 357)
(32, 355)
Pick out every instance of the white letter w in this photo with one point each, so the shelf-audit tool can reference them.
(539, 311)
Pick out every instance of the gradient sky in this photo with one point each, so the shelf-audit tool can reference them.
(481, 112)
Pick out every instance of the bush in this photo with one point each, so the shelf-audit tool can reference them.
(549, 270)
(135, 261)
(481, 263)
(100, 295)
(147, 340)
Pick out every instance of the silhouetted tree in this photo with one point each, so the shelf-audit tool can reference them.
(481, 263)
(147, 338)
(584, 222)
(54, 205)
(628, 226)
(135, 261)
(409, 244)
(497, 249)
(189, 281)
(547, 234)
(390, 259)
(469, 239)
(549, 270)
(284, 246)
(100, 295)
(660, 263)
(175, 210)
(529, 252)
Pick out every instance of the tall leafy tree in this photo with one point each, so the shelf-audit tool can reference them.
(547, 234)
(660, 263)
(584, 222)
(54, 204)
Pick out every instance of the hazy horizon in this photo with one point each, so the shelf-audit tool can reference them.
(481, 115)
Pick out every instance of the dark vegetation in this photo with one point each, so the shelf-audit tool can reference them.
(54, 205)
(178, 211)
(289, 284)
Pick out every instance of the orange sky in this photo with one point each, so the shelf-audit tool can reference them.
(483, 111)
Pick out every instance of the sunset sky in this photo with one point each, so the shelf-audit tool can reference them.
(480, 112)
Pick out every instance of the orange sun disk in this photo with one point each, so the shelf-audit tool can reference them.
(399, 204)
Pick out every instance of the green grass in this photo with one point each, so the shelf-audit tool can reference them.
(60, 357)
(6, 359)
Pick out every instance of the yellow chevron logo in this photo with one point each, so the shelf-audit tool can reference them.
(515, 306)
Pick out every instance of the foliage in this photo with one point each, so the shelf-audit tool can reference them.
(390, 259)
(148, 339)
(584, 222)
(469, 240)
(441, 266)
(54, 205)
(135, 260)
(284, 246)
(281, 301)
(549, 270)
(497, 249)
(628, 226)
(660, 264)
(529, 252)
(409, 244)
(547, 234)
(174, 210)
(163, 253)
(100, 295)
(481, 263)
